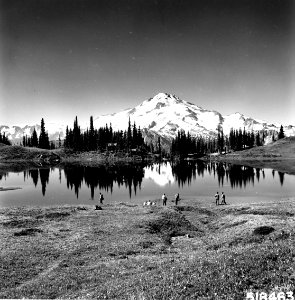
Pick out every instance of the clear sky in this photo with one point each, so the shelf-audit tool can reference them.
(62, 58)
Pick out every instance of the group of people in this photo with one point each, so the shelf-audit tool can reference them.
(176, 199)
(222, 198)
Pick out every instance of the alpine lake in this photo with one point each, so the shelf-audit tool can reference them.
(75, 184)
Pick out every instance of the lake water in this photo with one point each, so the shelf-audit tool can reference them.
(74, 184)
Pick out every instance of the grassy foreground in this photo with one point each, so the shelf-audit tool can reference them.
(126, 251)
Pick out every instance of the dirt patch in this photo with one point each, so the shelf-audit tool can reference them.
(199, 210)
(263, 230)
(28, 231)
(170, 224)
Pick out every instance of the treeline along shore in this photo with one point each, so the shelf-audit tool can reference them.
(279, 155)
(95, 146)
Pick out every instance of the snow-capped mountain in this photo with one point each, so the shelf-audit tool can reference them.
(163, 115)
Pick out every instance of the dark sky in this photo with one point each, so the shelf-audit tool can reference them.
(59, 59)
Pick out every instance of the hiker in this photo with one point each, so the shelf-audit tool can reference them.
(164, 198)
(176, 198)
(101, 198)
(217, 198)
(223, 198)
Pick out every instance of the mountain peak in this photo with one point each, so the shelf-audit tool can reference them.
(163, 98)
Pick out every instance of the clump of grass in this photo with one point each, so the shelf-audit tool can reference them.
(199, 210)
(236, 224)
(56, 215)
(81, 208)
(127, 205)
(146, 244)
(170, 224)
(21, 223)
(28, 231)
(264, 212)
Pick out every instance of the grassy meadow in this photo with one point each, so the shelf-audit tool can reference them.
(127, 251)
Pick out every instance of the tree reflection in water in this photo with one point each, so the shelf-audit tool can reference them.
(44, 178)
(187, 171)
(236, 175)
(43, 173)
(103, 177)
(281, 176)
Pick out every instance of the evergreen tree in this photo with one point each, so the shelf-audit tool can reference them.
(24, 141)
(43, 138)
(77, 145)
(34, 139)
(220, 139)
(273, 137)
(129, 136)
(258, 141)
(159, 146)
(59, 141)
(252, 139)
(281, 134)
(66, 142)
(244, 138)
(92, 137)
(140, 140)
(134, 136)
(4, 139)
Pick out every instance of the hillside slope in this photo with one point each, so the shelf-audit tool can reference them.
(279, 155)
(18, 153)
(284, 148)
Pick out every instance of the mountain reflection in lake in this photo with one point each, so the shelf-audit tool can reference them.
(125, 182)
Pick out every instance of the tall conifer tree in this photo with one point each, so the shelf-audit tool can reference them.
(34, 139)
(43, 138)
(281, 134)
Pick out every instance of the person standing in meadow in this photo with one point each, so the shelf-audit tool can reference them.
(223, 198)
(101, 198)
(177, 198)
(216, 198)
(164, 198)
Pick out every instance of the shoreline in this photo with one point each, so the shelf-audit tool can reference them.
(286, 165)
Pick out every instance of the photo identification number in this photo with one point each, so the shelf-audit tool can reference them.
(271, 296)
